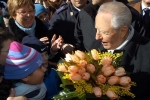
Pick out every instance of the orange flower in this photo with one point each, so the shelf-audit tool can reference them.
(95, 54)
(91, 68)
(113, 80)
(82, 63)
(73, 69)
(81, 70)
(75, 58)
(75, 77)
(106, 61)
(80, 54)
(127, 87)
(120, 71)
(111, 95)
(62, 68)
(86, 76)
(108, 70)
(97, 91)
(125, 80)
(101, 79)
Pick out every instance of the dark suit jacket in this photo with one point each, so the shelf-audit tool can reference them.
(63, 22)
(136, 60)
(144, 30)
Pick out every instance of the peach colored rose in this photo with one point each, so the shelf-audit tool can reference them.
(111, 95)
(120, 71)
(108, 70)
(82, 63)
(97, 91)
(101, 79)
(81, 70)
(75, 77)
(75, 58)
(86, 76)
(104, 67)
(91, 68)
(127, 87)
(73, 69)
(125, 80)
(106, 61)
(68, 57)
(113, 80)
(80, 54)
(62, 68)
(95, 54)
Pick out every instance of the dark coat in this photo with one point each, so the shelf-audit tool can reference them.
(144, 30)
(136, 60)
(85, 29)
(40, 30)
(63, 22)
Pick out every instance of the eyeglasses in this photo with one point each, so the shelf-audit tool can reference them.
(103, 32)
(24, 13)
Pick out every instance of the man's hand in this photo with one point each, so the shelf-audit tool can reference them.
(12, 94)
(67, 48)
(56, 44)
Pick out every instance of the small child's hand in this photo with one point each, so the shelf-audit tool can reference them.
(44, 40)
(56, 44)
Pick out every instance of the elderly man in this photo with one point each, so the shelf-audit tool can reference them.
(114, 30)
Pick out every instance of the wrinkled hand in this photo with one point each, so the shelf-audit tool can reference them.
(44, 40)
(12, 94)
(56, 44)
(67, 48)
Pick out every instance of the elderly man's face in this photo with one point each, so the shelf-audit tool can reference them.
(109, 37)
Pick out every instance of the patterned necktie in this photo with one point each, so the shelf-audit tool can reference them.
(146, 18)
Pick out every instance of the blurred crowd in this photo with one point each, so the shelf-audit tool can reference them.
(36, 34)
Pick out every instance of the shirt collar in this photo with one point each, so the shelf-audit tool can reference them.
(77, 8)
(143, 7)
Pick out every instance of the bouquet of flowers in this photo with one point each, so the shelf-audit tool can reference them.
(94, 72)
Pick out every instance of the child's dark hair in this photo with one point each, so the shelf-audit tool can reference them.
(5, 87)
(4, 36)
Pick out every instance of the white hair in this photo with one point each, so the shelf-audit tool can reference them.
(121, 15)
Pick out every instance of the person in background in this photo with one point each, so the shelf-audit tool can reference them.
(51, 5)
(114, 31)
(2, 24)
(42, 14)
(24, 66)
(63, 23)
(51, 79)
(7, 92)
(23, 21)
(143, 7)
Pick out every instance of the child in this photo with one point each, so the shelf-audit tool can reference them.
(42, 14)
(24, 66)
(51, 80)
(6, 85)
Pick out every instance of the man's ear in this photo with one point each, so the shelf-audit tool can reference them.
(124, 31)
